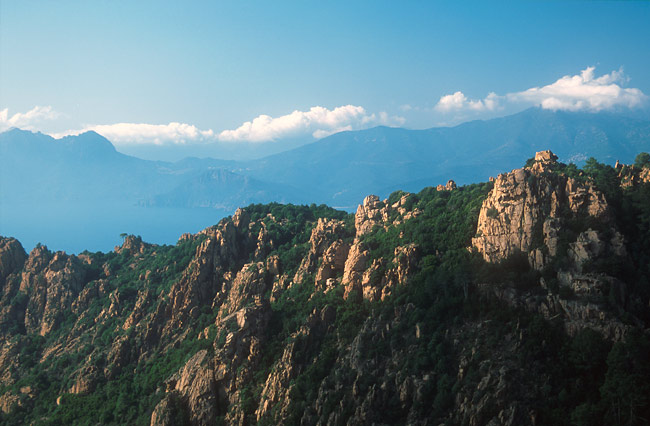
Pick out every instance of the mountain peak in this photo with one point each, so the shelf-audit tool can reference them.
(90, 133)
(90, 141)
(16, 130)
(13, 132)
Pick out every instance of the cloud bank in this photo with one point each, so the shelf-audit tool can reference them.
(582, 92)
(28, 120)
(317, 122)
(141, 133)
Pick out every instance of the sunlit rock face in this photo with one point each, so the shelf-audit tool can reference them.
(525, 211)
(528, 212)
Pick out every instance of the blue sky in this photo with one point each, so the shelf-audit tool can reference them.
(157, 73)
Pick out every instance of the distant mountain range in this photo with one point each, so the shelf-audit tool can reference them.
(85, 168)
(339, 170)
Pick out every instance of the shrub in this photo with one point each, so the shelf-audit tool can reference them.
(642, 160)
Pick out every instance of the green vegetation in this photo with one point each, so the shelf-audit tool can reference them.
(445, 226)
(642, 160)
(422, 330)
(131, 395)
(289, 227)
(631, 209)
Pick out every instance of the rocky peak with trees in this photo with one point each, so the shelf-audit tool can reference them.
(524, 300)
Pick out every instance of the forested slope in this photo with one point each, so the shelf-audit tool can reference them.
(523, 300)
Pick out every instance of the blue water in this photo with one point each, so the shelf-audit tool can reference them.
(75, 228)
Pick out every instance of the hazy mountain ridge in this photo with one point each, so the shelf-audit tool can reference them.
(39, 172)
(222, 189)
(338, 169)
(87, 167)
(375, 159)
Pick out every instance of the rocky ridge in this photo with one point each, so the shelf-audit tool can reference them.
(254, 323)
(528, 212)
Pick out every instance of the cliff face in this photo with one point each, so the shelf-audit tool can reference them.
(306, 315)
(546, 215)
(526, 209)
(213, 385)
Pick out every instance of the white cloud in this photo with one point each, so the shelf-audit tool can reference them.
(141, 133)
(27, 120)
(451, 102)
(119, 133)
(317, 122)
(458, 101)
(583, 92)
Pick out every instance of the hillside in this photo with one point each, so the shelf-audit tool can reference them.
(523, 300)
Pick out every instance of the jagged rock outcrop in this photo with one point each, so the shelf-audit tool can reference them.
(211, 386)
(9, 352)
(168, 412)
(527, 212)
(631, 175)
(243, 314)
(378, 281)
(326, 237)
(52, 281)
(12, 258)
(370, 213)
(450, 186)
(369, 281)
(373, 212)
(139, 310)
(332, 262)
(132, 245)
(191, 390)
(525, 209)
(355, 266)
(208, 272)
